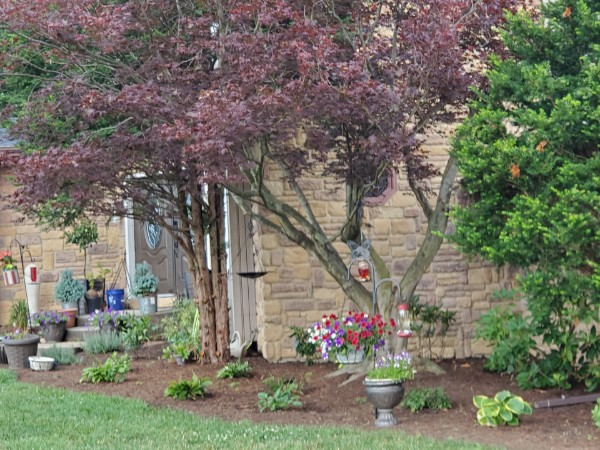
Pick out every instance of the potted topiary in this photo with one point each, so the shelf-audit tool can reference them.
(145, 287)
(68, 292)
(21, 343)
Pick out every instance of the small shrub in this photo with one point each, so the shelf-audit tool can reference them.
(430, 398)
(503, 409)
(237, 369)
(303, 344)
(596, 413)
(62, 356)
(113, 370)
(188, 389)
(182, 330)
(133, 331)
(282, 398)
(98, 343)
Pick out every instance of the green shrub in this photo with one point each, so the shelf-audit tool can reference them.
(430, 398)
(113, 370)
(303, 345)
(62, 356)
(181, 330)
(596, 413)
(237, 369)
(510, 337)
(503, 409)
(133, 330)
(188, 389)
(98, 343)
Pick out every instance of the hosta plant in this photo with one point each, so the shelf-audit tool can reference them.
(237, 369)
(503, 409)
(188, 389)
(114, 369)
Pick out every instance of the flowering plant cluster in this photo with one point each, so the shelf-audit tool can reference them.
(393, 367)
(49, 317)
(357, 330)
(6, 261)
(104, 319)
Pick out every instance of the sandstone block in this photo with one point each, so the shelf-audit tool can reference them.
(479, 276)
(65, 257)
(403, 226)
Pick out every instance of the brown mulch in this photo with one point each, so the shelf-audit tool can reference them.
(325, 402)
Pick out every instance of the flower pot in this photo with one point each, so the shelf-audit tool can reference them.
(18, 351)
(148, 304)
(3, 359)
(352, 356)
(72, 313)
(41, 363)
(92, 304)
(54, 332)
(10, 277)
(384, 395)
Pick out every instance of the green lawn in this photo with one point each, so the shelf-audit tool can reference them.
(34, 417)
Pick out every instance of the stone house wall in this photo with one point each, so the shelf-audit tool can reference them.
(51, 254)
(298, 291)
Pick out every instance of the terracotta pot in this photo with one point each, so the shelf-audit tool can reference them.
(72, 313)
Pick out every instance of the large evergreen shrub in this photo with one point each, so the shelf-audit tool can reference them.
(529, 159)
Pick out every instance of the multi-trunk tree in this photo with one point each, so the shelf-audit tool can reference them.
(529, 156)
(150, 109)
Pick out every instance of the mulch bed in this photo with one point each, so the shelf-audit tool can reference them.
(325, 402)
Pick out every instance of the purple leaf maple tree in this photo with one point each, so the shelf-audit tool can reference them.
(140, 104)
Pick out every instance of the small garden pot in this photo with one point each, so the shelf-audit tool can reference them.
(18, 351)
(11, 277)
(72, 313)
(384, 395)
(54, 332)
(148, 304)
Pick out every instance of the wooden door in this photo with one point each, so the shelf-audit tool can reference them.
(155, 246)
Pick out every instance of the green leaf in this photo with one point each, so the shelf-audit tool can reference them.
(502, 396)
(515, 405)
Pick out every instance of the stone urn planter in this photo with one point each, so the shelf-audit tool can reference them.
(18, 351)
(384, 395)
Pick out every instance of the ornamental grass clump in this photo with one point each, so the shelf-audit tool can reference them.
(356, 331)
(393, 367)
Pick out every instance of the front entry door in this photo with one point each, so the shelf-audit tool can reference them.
(154, 245)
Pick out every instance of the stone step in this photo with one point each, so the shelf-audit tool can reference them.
(82, 320)
(77, 334)
(76, 345)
